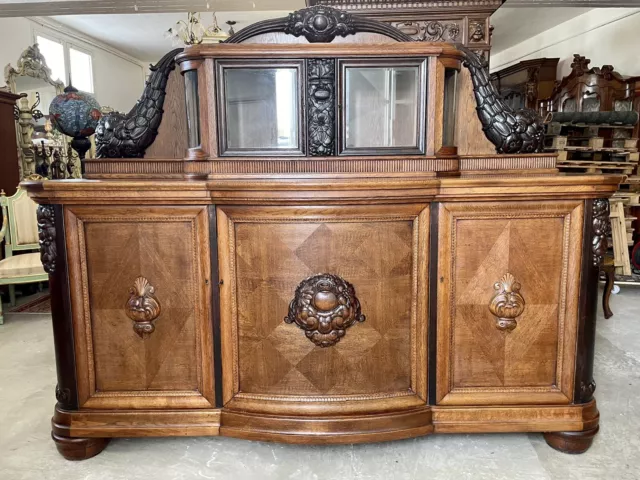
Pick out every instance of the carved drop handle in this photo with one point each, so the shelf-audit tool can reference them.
(324, 306)
(142, 307)
(507, 304)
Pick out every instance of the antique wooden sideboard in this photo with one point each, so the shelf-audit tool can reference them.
(322, 265)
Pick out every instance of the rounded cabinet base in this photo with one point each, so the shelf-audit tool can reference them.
(568, 428)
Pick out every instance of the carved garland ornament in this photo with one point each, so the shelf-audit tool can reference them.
(47, 237)
(142, 307)
(507, 304)
(601, 229)
(324, 307)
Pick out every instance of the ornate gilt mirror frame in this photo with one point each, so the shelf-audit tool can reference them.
(55, 155)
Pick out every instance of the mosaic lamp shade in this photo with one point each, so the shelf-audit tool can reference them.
(76, 114)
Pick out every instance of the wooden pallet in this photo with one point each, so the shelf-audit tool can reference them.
(596, 167)
(619, 237)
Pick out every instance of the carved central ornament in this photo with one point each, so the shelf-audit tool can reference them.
(507, 304)
(324, 307)
(142, 307)
(320, 24)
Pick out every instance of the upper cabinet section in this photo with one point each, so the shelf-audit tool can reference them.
(322, 100)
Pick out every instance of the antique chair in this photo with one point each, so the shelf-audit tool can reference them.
(20, 232)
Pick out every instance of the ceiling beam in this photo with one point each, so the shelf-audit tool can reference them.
(573, 3)
(46, 8)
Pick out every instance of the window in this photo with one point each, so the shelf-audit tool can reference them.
(81, 71)
(53, 53)
(68, 64)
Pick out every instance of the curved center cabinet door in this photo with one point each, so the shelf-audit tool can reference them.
(323, 309)
(140, 299)
(508, 287)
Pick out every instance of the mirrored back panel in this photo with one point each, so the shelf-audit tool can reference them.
(260, 108)
(383, 107)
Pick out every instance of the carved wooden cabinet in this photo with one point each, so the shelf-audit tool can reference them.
(529, 83)
(322, 266)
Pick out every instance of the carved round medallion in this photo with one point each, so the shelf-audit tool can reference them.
(324, 306)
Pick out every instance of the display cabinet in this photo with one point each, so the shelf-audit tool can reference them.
(322, 265)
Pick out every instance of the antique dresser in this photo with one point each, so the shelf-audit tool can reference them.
(299, 236)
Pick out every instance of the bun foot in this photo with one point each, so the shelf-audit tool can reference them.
(571, 442)
(79, 448)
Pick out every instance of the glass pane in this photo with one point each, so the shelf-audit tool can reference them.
(261, 108)
(449, 127)
(53, 53)
(381, 107)
(81, 71)
(193, 107)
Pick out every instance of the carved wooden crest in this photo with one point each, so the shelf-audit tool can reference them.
(324, 307)
(142, 307)
(507, 304)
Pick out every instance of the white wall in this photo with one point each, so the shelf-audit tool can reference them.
(608, 36)
(118, 78)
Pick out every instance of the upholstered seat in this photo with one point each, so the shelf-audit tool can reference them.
(21, 266)
(20, 233)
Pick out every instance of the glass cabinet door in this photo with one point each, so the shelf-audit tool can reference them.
(383, 107)
(260, 109)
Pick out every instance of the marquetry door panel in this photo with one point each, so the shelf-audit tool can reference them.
(507, 301)
(140, 301)
(266, 252)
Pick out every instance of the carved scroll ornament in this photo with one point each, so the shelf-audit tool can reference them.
(601, 229)
(507, 304)
(324, 307)
(47, 237)
(142, 307)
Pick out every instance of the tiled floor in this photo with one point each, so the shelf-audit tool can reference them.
(27, 380)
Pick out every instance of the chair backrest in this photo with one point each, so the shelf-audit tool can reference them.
(19, 222)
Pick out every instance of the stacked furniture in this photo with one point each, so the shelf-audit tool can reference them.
(594, 129)
(527, 84)
(294, 278)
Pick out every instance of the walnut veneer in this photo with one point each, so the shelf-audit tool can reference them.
(323, 299)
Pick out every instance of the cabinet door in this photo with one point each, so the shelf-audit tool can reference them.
(508, 278)
(271, 363)
(140, 301)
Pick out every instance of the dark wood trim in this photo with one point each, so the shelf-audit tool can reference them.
(587, 308)
(421, 88)
(223, 148)
(67, 389)
(215, 305)
(432, 335)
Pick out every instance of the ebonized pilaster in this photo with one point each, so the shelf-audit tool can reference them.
(53, 253)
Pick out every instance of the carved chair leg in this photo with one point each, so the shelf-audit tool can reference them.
(608, 286)
(12, 295)
(571, 442)
(79, 448)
